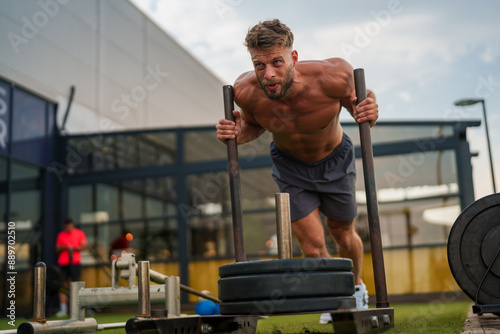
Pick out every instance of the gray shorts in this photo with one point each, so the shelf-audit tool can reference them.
(329, 184)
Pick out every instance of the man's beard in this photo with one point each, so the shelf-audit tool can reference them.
(285, 85)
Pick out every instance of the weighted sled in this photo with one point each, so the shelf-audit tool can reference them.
(295, 305)
(287, 265)
(473, 243)
(287, 285)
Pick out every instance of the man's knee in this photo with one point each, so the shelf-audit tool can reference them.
(342, 232)
(314, 252)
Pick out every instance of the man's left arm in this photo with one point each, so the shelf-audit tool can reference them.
(83, 242)
(341, 81)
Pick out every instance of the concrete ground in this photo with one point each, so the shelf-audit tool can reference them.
(481, 324)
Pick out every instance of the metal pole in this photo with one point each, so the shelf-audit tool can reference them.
(489, 148)
(371, 197)
(143, 293)
(76, 309)
(283, 226)
(122, 296)
(160, 279)
(154, 276)
(173, 296)
(88, 325)
(39, 292)
(234, 179)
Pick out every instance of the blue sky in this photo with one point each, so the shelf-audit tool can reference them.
(419, 56)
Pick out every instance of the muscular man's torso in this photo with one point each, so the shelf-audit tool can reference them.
(306, 125)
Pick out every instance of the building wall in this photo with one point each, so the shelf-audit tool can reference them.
(127, 72)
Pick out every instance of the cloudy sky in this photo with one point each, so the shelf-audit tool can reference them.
(419, 56)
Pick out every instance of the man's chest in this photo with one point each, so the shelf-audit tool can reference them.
(301, 116)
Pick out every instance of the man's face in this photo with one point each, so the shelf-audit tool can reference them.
(69, 227)
(274, 70)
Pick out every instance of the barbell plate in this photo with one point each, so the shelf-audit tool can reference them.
(286, 285)
(473, 242)
(291, 305)
(285, 265)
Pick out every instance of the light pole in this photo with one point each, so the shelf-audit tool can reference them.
(469, 102)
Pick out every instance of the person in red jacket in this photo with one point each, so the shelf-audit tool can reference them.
(69, 243)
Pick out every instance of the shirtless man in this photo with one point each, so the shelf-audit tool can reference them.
(300, 103)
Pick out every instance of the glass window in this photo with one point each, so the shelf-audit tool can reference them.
(404, 223)
(386, 133)
(210, 236)
(132, 205)
(3, 188)
(162, 239)
(107, 200)
(51, 133)
(97, 238)
(204, 146)
(161, 189)
(396, 173)
(111, 151)
(209, 193)
(80, 203)
(154, 207)
(23, 172)
(260, 235)
(259, 188)
(25, 210)
(28, 128)
(25, 189)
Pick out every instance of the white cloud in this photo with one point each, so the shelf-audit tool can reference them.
(490, 53)
(405, 96)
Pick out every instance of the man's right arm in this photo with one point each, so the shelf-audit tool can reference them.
(243, 130)
(245, 127)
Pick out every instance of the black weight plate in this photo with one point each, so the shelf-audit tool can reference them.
(473, 242)
(286, 285)
(285, 265)
(291, 305)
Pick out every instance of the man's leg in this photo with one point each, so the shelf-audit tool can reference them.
(63, 290)
(349, 244)
(310, 235)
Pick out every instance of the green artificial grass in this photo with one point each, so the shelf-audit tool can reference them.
(430, 318)
(438, 318)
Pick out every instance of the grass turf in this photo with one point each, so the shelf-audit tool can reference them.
(434, 318)
(438, 318)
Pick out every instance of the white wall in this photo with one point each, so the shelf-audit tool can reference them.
(128, 73)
